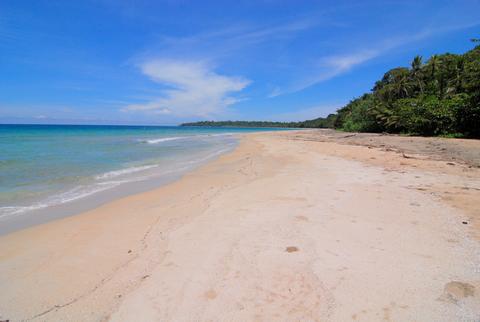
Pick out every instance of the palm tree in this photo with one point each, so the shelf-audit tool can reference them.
(416, 63)
(454, 79)
(416, 71)
(459, 74)
(432, 81)
(433, 63)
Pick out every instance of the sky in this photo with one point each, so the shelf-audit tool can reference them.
(168, 62)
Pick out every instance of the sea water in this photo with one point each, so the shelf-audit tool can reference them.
(49, 165)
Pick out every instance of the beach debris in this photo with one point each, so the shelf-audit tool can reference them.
(455, 291)
(421, 189)
(291, 249)
(301, 218)
(210, 294)
(129, 251)
(450, 163)
(145, 276)
(465, 222)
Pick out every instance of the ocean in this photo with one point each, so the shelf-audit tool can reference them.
(43, 166)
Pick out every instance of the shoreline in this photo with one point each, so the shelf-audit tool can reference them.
(45, 214)
(283, 226)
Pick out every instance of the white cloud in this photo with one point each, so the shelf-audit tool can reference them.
(345, 62)
(195, 90)
(328, 68)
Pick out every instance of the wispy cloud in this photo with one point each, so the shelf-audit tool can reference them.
(194, 89)
(189, 86)
(227, 42)
(328, 67)
(244, 34)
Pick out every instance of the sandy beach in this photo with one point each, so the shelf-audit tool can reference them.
(291, 226)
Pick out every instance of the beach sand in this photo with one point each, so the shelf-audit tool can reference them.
(291, 226)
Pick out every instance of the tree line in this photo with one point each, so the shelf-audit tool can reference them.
(316, 123)
(241, 124)
(439, 96)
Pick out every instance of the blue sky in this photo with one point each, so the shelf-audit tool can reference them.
(165, 62)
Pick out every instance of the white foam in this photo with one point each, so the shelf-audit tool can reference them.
(160, 140)
(173, 138)
(61, 198)
(116, 173)
(87, 190)
(71, 195)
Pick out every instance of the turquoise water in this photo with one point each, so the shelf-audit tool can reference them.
(46, 165)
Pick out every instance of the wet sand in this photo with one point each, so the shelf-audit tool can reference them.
(291, 226)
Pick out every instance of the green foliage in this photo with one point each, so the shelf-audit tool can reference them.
(320, 122)
(357, 116)
(440, 97)
(425, 115)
